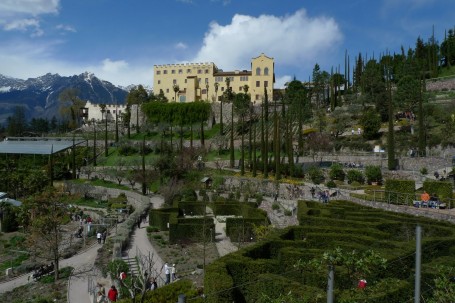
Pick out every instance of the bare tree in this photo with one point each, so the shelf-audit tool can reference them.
(138, 283)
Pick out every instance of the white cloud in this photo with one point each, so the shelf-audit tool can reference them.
(181, 45)
(21, 24)
(28, 7)
(24, 60)
(224, 2)
(292, 40)
(281, 81)
(67, 28)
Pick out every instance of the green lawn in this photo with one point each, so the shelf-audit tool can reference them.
(103, 183)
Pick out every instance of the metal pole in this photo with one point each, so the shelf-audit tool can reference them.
(330, 283)
(106, 151)
(418, 263)
(182, 298)
(94, 142)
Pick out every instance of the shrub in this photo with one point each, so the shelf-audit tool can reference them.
(275, 206)
(316, 175)
(373, 174)
(189, 194)
(331, 184)
(152, 229)
(127, 150)
(337, 172)
(355, 175)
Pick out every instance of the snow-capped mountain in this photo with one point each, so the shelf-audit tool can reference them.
(40, 96)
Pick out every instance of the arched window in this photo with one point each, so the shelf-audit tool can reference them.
(258, 71)
(266, 71)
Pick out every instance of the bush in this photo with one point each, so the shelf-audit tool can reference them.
(275, 206)
(373, 174)
(316, 175)
(127, 150)
(337, 172)
(355, 176)
(331, 184)
(152, 229)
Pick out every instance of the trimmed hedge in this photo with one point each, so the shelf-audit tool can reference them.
(399, 191)
(271, 263)
(444, 190)
(161, 217)
(191, 229)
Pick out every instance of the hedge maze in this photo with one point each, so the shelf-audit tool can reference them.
(292, 260)
(190, 221)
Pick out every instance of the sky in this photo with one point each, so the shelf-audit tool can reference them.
(120, 41)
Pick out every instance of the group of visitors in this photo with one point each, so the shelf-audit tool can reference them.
(170, 273)
(324, 196)
(112, 294)
(429, 201)
(101, 236)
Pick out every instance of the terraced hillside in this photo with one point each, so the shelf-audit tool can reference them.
(282, 264)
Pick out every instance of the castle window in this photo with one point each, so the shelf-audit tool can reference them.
(159, 81)
(199, 71)
(167, 90)
(258, 97)
(266, 83)
(174, 81)
(165, 72)
(173, 71)
(258, 71)
(266, 71)
(258, 83)
(180, 71)
(188, 71)
(206, 71)
(158, 72)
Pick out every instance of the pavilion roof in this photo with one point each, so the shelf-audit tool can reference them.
(37, 145)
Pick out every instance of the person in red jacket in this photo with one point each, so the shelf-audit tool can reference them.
(112, 294)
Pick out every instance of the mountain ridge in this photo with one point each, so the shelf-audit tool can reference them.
(40, 96)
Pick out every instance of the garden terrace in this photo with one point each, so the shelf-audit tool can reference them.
(269, 267)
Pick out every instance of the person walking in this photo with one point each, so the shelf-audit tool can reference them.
(112, 294)
(100, 298)
(173, 277)
(98, 237)
(104, 236)
(167, 271)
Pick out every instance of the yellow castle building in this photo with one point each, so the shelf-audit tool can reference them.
(198, 81)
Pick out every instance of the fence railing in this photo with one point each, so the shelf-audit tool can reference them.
(407, 203)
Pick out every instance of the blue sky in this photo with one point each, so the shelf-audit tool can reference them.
(121, 40)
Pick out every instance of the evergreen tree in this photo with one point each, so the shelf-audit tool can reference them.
(16, 124)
